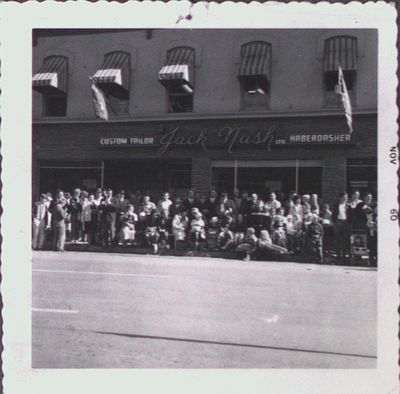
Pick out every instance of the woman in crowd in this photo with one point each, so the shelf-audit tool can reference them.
(92, 227)
(327, 224)
(85, 216)
(128, 221)
(180, 224)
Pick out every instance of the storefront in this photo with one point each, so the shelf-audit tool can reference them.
(309, 154)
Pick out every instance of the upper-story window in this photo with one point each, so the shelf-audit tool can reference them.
(339, 50)
(113, 78)
(51, 82)
(255, 75)
(177, 77)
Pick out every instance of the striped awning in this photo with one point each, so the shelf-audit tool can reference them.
(255, 60)
(340, 50)
(52, 76)
(178, 67)
(114, 74)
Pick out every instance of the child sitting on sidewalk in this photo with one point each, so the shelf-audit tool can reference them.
(248, 245)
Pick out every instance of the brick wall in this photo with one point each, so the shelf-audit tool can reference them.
(201, 174)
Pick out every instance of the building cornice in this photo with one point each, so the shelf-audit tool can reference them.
(206, 116)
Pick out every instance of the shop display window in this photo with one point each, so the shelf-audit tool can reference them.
(361, 174)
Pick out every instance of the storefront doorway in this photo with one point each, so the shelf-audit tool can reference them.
(264, 176)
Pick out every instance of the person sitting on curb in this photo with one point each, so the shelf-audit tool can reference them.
(225, 238)
(248, 245)
(266, 245)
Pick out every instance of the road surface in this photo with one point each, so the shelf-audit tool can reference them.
(128, 311)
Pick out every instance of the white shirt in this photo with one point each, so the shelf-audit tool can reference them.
(342, 211)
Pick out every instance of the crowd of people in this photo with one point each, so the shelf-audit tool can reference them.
(252, 226)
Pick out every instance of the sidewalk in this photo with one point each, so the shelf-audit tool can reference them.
(230, 254)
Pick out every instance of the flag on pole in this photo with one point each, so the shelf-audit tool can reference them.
(99, 102)
(345, 98)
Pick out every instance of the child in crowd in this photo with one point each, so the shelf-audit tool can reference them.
(315, 234)
(212, 233)
(266, 245)
(248, 245)
(291, 234)
(279, 233)
(197, 230)
(152, 234)
(225, 238)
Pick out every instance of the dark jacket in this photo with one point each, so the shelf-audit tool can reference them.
(335, 212)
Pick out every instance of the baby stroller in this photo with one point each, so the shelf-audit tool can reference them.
(359, 251)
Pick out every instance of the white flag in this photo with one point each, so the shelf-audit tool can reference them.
(99, 102)
(345, 98)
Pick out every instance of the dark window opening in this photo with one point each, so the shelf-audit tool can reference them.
(331, 79)
(117, 106)
(255, 93)
(255, 85)
(180, 102)
(55, 104)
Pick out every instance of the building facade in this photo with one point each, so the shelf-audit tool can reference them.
(205, 109)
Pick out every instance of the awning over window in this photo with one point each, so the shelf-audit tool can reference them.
(255, 60)
(52, 76)
(340, 50)
(114, 74)
(178, 68)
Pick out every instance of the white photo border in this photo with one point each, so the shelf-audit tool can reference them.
(16, 25)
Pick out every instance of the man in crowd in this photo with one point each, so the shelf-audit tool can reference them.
(211, 204)
(340, 215)
(58, 224)
(40, 213)
(189, 202)
(108, 218)
(164, 206)
(74, 209)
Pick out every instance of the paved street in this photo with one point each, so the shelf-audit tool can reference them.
(96, 310)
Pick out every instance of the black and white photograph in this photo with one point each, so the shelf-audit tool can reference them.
(206, 197)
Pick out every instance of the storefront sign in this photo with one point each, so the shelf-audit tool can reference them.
(315, 138)
(227, 138)
(127, 141)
